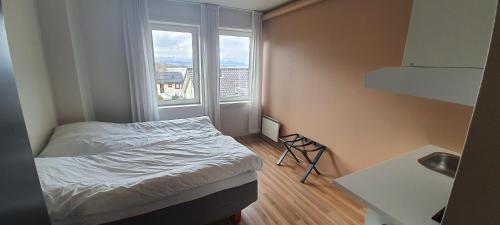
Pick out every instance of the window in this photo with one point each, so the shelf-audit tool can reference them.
(234, 65)
(175, 51)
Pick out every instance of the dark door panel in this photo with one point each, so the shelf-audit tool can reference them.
(21, 199)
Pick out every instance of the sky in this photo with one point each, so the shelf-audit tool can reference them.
(236, 49)
(178, 46)
(172, 44)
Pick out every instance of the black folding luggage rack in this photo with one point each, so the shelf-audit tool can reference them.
(304, 145)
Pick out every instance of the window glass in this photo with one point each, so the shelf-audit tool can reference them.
(174, 66)
(234, 66)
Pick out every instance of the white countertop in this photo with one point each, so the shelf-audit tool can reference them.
(401, 188)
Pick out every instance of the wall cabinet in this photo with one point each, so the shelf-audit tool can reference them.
(455, 85)
(446, 50)
(449, 33)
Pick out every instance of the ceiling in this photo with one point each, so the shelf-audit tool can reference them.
(259, 5)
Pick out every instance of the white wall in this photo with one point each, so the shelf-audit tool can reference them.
(84, 39)
(177, 12)
(190, 13)
(30, 70)
(234, 118)
(81, 65)
(63, 61)
(233, 18)
(70, 65)
(102, 29)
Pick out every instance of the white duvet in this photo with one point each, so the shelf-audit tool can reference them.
(138, 164)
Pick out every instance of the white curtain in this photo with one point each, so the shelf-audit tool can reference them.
(256, 75)
(210, 62)
(139, 60)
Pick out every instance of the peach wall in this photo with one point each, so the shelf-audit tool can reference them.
(314, 61)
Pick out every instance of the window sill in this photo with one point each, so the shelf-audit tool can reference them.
(235, 102)
(199, 105)
(178, 106)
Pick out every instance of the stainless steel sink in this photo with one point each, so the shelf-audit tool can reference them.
(441, 162)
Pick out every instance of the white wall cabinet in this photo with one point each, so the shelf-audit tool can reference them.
(449, 33)
(455, 85)
(446, 50)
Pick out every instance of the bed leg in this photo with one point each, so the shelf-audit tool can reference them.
(236, 218)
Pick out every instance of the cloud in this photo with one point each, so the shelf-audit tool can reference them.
(236, 49)
(172, 44)
(178, 45)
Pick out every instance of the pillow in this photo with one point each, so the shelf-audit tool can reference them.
(83, 138)
(89, 138)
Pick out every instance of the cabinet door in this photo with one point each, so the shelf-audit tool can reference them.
(21, 199)
(475, 197)
(449, 33)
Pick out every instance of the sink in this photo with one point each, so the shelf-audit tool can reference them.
(441, 162)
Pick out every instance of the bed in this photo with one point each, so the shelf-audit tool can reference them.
(167, 172)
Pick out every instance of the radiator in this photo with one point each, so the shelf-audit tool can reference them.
(270, 128)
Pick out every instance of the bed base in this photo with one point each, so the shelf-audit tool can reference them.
(235, 218)
(211, 208)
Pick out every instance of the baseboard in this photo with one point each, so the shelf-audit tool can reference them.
(277, 145)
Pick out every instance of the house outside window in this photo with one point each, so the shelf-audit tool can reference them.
(176, 63)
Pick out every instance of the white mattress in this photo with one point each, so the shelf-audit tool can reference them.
(100, 172)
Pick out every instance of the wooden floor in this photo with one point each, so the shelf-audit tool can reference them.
(284, 200)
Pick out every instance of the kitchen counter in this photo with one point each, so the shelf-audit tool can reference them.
(400, 191)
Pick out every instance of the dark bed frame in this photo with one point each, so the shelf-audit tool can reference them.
(211, 208)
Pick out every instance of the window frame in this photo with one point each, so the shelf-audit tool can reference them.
(238, 33)
(195, 34)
